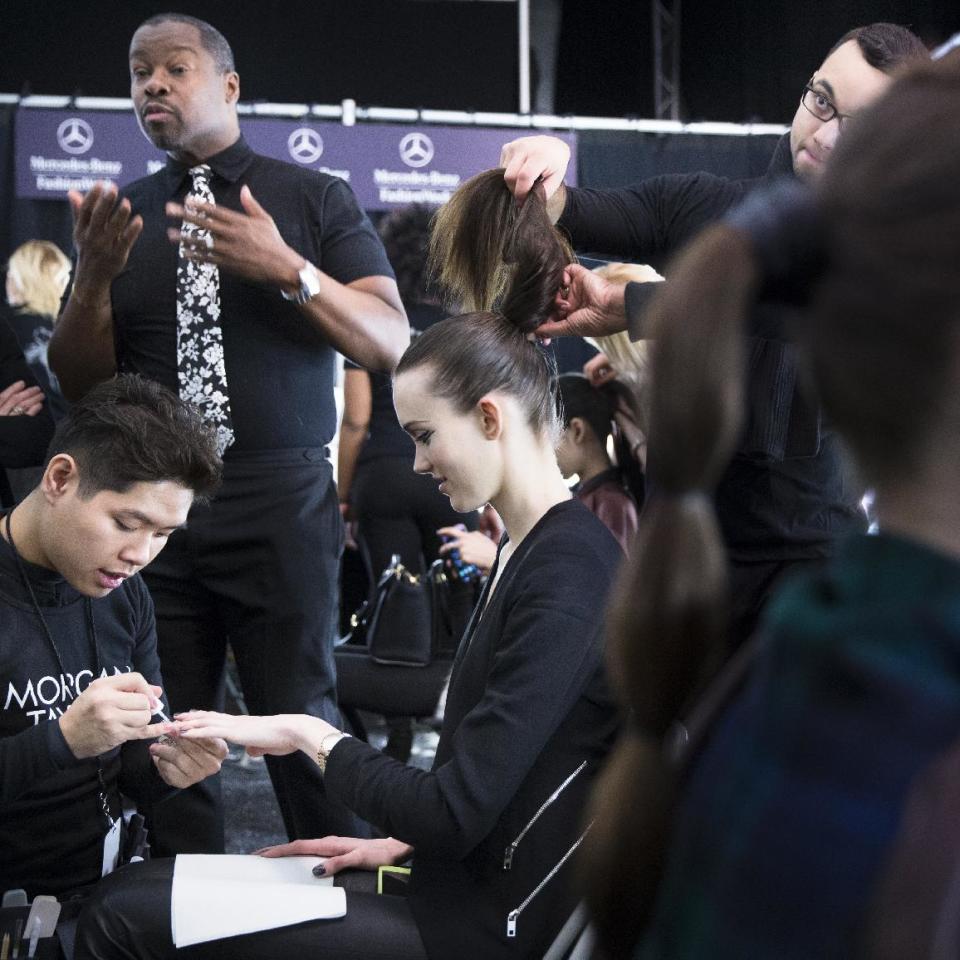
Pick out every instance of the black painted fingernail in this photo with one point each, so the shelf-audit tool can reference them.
(319, 870)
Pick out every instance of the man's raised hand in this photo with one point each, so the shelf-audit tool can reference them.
(104, 233)
(248, 243)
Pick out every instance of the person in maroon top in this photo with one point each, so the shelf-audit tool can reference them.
(588, 413)
(588, 417)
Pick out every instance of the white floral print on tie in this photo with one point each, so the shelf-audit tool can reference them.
(201, 371)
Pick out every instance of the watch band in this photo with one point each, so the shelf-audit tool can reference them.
(323, 751)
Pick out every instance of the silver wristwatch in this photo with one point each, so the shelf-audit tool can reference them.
(309, 284)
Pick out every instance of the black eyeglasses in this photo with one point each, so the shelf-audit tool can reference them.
(822, 107)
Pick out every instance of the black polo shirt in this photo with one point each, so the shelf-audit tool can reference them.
(280, 369)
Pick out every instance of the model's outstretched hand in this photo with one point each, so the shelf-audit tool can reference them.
(277, 736)
(586, 306)
(344, 853)
(273, 735)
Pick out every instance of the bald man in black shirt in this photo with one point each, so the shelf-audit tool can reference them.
(272, 268)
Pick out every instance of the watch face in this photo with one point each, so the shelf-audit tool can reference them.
(309, 283)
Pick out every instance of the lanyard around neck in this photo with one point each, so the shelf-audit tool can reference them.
(38, 610)
(94, 643)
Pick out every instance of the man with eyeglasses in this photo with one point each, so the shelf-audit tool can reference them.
(785, 498)
(649, 220)
(854, 74)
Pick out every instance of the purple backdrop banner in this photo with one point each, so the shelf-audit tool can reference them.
(387, 165)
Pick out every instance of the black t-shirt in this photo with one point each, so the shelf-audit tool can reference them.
(280, 369)
(385, 436)
(51, 824)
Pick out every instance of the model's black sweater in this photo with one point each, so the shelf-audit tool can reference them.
(51, 825)
(528, 706)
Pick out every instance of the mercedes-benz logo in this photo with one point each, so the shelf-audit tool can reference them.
(305, 145)
(416, 149)
(75, 135)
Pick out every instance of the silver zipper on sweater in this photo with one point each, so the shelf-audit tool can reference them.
(512, 849)
(514, 915)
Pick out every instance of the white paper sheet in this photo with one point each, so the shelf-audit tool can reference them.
(224, 895)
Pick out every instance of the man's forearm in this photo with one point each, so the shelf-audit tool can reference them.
(360, 323)
(81, 349)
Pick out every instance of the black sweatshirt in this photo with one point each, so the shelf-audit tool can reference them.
(51, 824)
(528, 708)
(787, 494)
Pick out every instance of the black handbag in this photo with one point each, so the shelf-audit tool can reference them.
(402, 642)
(398, 627)
(413, 619)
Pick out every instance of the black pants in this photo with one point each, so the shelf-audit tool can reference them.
(129, 917)
(256, 568)
(399, 511)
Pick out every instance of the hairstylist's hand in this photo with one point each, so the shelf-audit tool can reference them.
(474, 546)
(586, 306)
(598, 370)
(345, 852)
(528, 158)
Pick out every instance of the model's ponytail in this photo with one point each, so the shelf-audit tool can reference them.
(490, 254)
(504, 264)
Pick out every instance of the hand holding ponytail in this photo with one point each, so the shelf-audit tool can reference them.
(490, 254)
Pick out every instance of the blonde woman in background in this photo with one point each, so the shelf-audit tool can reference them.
(37, 275)
(627, 360)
